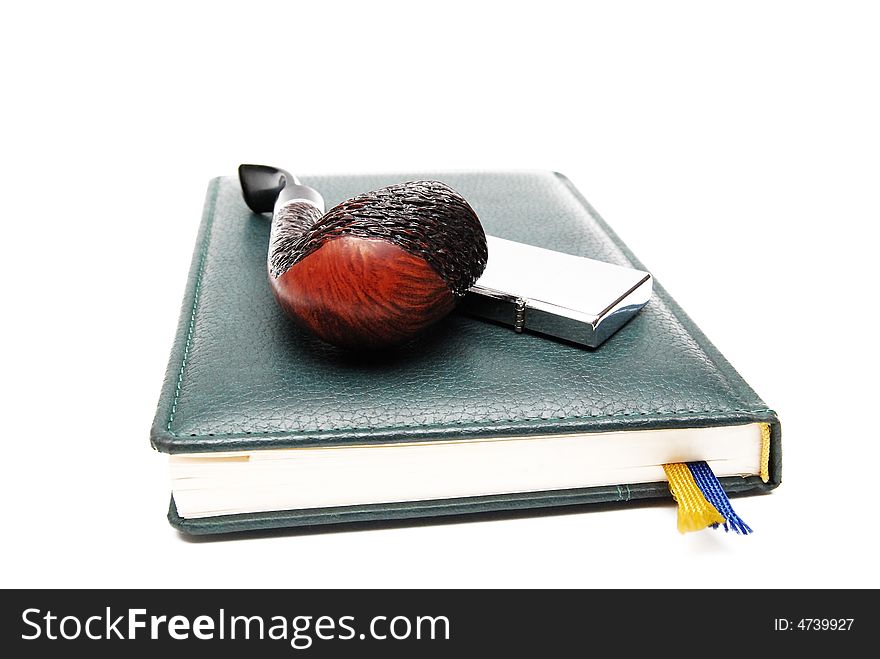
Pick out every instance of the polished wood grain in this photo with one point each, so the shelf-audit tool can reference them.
(363, 292)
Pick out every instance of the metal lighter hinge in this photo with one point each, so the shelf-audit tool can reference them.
(519, 315)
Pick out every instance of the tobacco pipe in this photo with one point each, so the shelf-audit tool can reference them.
(373, 271)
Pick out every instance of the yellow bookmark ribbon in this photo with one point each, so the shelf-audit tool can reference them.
(694, 510)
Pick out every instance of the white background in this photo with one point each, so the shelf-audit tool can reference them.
(734, 147)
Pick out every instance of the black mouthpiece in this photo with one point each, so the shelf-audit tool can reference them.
(261, 185)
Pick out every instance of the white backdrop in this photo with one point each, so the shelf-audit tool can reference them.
(735, 148)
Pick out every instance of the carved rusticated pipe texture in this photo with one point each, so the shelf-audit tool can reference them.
(379, 268)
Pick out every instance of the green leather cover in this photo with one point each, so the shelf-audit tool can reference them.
(242, 376)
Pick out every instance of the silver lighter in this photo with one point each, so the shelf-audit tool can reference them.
(561, 295)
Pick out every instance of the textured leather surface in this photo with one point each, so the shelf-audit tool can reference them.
(242, 376)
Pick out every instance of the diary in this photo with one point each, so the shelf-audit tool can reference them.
(266, 426)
